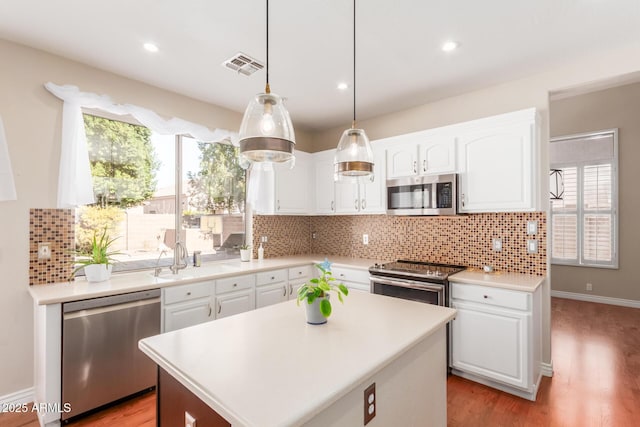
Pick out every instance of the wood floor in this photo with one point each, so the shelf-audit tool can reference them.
(596, 382)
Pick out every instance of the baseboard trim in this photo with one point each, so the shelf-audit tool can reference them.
(597, 298)
(18, 398)
(546, 369)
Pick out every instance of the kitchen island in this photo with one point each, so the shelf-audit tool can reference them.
(269, 368)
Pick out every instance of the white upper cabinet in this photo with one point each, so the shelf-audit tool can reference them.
(292, 186)
(422, 153)
(498, 164)
(324, 186)
(362, 196)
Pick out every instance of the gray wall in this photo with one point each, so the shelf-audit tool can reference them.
(618, 107)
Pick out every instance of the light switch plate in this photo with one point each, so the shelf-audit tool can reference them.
(44, 250)
(532, 246)
(532, 227)
(497, 245)
(365, 239)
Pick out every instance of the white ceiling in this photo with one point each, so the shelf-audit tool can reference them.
(400, 63)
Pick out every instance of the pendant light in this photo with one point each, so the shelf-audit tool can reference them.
(354, 157)
(266, 132)
(556, 184)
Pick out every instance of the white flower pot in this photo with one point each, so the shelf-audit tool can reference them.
(314, 315)
(245, 254)
(97, 272)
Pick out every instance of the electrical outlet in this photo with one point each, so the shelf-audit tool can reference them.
(314, 235)
(532, 227)
(264, 239)
(189, 420)
(365, 239)
(497, 245)
(370, 403)
(532, 246)
(589, 286)
(44, 250)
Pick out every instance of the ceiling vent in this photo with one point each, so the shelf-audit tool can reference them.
(243, 64)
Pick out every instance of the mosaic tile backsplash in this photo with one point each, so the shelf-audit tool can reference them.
(463, 240)
(55, 226)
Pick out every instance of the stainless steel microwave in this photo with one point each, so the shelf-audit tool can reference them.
(422, 195)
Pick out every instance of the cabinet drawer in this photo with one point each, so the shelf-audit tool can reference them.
(351, 275)
(274, 276)
(235, 283)
(491, 296)
(187, 292)
(300, 272)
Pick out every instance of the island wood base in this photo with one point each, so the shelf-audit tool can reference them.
(410, 391)
(174, 400)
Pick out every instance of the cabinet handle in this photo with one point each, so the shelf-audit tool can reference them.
(486, 296)
(290, 289)
(278, 205)
(363, 204)
(219, 308)
(332, 205)
(210, 310)
(235, 285)
(424, 165)
(462, 199)
(188, 293)
(285, 291)
(272, 277)
(415, 166)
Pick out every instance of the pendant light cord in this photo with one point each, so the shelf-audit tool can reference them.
(267, 89)
(353, 125)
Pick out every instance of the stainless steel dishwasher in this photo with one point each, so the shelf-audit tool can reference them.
(101, 362)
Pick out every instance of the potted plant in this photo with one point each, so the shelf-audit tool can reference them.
(98, 261)
(316, 294)
(245, 252)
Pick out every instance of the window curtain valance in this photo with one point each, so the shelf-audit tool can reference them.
(7, 186)
(75, 186)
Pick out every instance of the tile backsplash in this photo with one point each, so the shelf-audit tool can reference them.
(464, 239)
(55, 226)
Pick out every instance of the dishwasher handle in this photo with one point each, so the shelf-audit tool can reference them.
(110, 308)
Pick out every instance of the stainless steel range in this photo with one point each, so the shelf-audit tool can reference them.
(413, 280)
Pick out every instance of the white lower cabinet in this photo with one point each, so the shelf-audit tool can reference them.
(495, 338)
(271, 287)
(352, 278)
(187, 305)
(235, 295)
(298, 276)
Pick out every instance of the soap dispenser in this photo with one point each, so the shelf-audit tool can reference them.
(260, 252)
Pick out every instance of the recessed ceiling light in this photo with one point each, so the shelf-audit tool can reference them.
(343, 86)
(449, 46)
(150, 47)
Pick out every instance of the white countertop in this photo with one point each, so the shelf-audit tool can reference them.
(268, 367)
(499, 279)
(121, 283)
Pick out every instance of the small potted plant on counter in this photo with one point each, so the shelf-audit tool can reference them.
(316, 294)
(245, 252)
(98, 260)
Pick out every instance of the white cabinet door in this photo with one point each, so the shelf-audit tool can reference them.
(271, 294)
(437, 155)
(347, 197)
(491, 342)
(402, 160)
(324, 183)
(234, 303)
(497, 167)
(292, 186)
(181, 315)
(373, 193)
(294, 286)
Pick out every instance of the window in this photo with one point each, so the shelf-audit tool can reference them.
(584, 222)
(134, 182)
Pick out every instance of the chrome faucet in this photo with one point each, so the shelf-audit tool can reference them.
(158, 269)
(179, 253)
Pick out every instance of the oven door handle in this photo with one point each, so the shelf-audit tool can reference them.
(408, 284)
